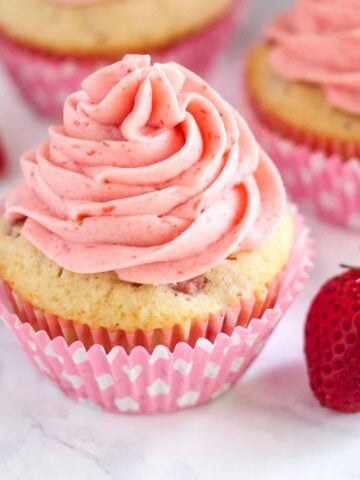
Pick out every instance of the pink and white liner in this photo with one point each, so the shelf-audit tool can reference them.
(163, 380)
(45, 80)
(329, 183)
(54, 326)
(3, 159)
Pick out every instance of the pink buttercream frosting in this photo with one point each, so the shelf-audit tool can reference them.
(319, 42)
(153, 175)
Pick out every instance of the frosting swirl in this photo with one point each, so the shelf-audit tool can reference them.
(153, 175)
(319, 42)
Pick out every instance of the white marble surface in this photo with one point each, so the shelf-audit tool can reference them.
(268, 427)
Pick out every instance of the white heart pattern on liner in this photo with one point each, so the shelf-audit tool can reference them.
(211, 370)
(182, 366)
(49, 352)
(159, 387)
(188, 399)
(236, 364)
(250, 339)
(327, 200)
(104, 381)
(126, 404)
(32, 345)
(74, 380)
(132, 373)
(317, 162)
(205, 345)
(285, 147)
(40, 364)
(18, 324)
(79, 356)
(160, 353)
(347, 186)
(113, 354)
(235, 339)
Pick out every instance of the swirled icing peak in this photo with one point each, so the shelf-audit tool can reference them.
(152, 175)
(319, 42)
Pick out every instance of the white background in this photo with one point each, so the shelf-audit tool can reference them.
(268, 427)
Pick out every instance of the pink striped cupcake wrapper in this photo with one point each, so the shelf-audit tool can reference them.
(331, 185)
(46, 80)
(248, 308)
(164, 379)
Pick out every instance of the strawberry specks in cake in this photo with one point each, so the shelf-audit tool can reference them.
(191, 287)
(12, 229)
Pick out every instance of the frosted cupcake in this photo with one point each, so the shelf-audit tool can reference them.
(49, 46)
(305, 103)
(149, 219)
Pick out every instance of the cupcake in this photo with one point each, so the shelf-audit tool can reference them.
(50, 46)
(303, 100)
(149, 250)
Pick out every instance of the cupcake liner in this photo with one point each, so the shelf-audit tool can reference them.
(329, 183)
(164, 380)
(209, 328)
(3, 163)
(329, 146)
(46, 80)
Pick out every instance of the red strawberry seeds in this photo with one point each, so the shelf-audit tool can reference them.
(332, 343)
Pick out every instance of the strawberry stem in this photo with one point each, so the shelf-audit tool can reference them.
(349, 267)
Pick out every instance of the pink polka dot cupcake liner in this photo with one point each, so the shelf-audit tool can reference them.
(3, 161)
(330, 184)
(241, 314)
(165, 379)
(46, 80)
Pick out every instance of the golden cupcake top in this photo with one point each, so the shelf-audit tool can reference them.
(106, 27)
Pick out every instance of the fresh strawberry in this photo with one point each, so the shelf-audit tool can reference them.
(332, 343)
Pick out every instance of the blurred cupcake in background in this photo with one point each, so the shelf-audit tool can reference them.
(302, 93)
(3, 163)
(49, 46)
(149, 250)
